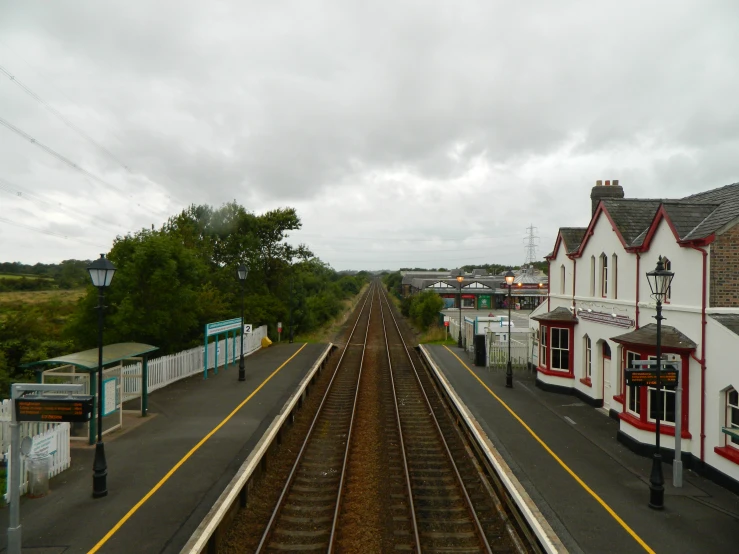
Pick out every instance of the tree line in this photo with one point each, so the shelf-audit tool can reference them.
(172, 281)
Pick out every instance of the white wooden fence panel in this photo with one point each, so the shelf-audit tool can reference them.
(60, 460)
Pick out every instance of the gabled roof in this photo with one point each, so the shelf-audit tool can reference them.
(671, 338)
(572, 237)
(632, 217)
(88, 359)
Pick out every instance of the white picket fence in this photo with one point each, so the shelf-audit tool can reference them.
(165, 370)
(60, 457)
(162, 371)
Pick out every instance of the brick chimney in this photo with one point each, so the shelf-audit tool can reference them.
(601, 191)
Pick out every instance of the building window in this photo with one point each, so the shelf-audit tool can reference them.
(614, 276)
(560, 347)
(633, 392)
(543, 343)
(668, 267)
(588, 357)
(604, 275)
(732, 416)
(592, 275)
(562, 279)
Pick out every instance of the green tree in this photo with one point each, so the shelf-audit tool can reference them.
(425, 308)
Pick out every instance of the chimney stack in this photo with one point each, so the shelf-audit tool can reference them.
(600, 192)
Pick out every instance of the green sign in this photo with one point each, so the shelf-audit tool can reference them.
(222, 326)
(483, 302)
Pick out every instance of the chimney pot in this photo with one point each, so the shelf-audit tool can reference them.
(615, 182)
(598, 183)
(608, 183)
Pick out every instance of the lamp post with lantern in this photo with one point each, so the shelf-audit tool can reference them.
(509, 278)
(460, 278)
(242, 272)
(659, 282)
(101, 273)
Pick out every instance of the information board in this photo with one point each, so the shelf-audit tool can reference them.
(110, 396)
(40, 408)
(648, 377)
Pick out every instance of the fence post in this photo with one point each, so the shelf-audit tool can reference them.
(144, 386)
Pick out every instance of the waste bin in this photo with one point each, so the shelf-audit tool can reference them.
(38, 475)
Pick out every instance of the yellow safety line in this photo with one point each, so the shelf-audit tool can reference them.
(590, 491)
(169, 474)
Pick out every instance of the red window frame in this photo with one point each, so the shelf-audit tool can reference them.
(546, 332)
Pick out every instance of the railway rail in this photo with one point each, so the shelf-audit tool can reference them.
(412, 484)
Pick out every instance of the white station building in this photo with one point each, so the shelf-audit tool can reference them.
(599, 317)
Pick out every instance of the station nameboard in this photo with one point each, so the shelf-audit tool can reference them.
(73, 409)
(648, 377)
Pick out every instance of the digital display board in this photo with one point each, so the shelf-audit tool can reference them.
(648, 377)
(54, 409)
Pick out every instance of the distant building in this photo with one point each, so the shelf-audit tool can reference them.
(479, 290)
(599, 318)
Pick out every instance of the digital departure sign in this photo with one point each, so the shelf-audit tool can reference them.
(648, 377)
(54, 409)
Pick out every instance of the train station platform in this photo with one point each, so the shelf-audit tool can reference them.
(591, 489)
(165, 471)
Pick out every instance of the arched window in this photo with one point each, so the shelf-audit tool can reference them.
(592, 275)
(604, 276)
(614, 276)
(668, 267)
(562, 288)
(588, 357)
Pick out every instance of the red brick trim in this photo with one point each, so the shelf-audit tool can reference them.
(731, 454)
(587, 381)
(648, 426)
(556, 373)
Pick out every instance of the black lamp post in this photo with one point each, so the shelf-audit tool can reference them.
(101, 272)
(509, 278)
(659, 282)
(242, 272)
(460, 278)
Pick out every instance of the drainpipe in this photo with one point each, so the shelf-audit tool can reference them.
(636, 318)
(702, 361)
(574, 281)
(549, 281)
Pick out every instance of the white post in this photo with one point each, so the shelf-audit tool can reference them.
(14, 522)
(677, 464)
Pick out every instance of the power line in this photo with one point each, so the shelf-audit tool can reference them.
(52, 233)
(63, 119)
(70, 163)
(401, 238)
(530, 244)
(16, 191)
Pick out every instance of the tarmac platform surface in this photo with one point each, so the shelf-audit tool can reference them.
(68, 520)
(593, 491)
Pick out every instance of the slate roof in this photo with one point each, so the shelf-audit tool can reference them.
(557, 314)
(572, 237)
(727, 211)
(730, 321)
(632, 216)
(671, 338)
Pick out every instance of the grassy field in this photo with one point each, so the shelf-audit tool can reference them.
(27, 276)
(17, 298)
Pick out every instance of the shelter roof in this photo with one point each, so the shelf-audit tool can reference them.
(671, 338)
(557, 314)
(88, 359)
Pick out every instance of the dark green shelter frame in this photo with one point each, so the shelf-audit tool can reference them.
(87, 361)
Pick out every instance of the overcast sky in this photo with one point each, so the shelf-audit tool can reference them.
(405, 133)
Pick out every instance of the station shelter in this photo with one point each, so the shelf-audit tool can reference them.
(82, 368)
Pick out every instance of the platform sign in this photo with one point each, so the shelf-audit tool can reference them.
(52, 409)
(110, 398)
(446, 323)
(247, 328)
(279, 327)
(648, 377)
(222, 326)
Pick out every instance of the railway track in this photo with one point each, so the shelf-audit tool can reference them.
(383, 466)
